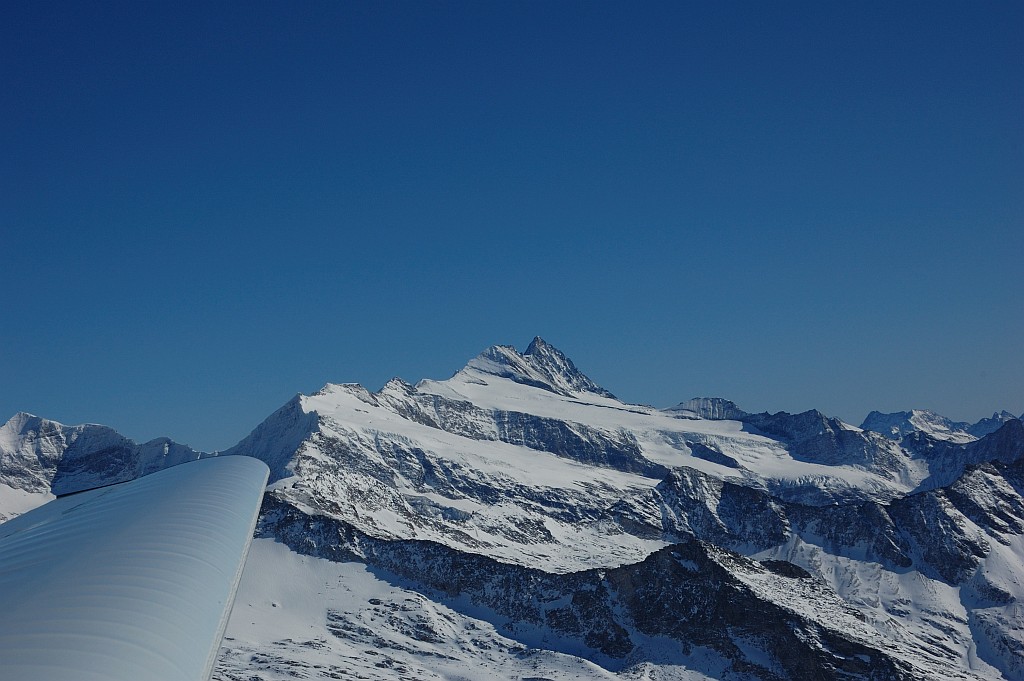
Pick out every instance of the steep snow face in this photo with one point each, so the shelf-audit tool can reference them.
(525, 473)
(30, 448)
(395, 477)
(39, 456)
(505, 489)
(277, 440)
(523, 458)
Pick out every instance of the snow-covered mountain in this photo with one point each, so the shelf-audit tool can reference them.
(40, 458)
(901, 423)
(519, 521)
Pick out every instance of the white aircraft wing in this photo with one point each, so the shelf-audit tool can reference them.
(129, 582)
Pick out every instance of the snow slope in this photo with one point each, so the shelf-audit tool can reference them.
(743, 454)
(306, 617)
(14, 501)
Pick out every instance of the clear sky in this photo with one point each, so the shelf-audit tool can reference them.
(208, 207)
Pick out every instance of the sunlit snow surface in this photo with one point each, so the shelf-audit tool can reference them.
(525, 486)
(660, 434)
(503, 469)
(309, 618)
(128, 582)
(924, 620)
(14, 502)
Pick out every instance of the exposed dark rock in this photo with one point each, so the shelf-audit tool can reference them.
(576, 442)
(935, 529)
(786, 569)
(812, 436)
(688, 591)
(703, 451)
(723, 513)
(864, 531)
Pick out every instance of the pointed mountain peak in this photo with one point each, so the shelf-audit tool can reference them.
(22, 420)
(28, 430)
(275, 441)
(539, 346)
(396, 386)
(992, 424)
(542, 365)
(554, 363)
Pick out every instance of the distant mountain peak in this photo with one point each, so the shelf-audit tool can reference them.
(542, 365)
(902, 423)
(38, 454)
(992, 424)
(710, 408)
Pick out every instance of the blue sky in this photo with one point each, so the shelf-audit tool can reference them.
(208, 207)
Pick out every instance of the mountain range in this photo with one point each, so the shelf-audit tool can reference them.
(519, 521)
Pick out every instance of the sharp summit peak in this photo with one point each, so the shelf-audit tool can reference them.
(541, 365)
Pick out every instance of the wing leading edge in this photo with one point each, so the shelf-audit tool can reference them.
(129, 582)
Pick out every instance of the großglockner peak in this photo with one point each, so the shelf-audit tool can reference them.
(541, 365)
(511, 522)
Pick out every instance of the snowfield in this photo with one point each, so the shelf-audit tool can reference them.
(302, 617)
